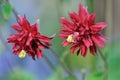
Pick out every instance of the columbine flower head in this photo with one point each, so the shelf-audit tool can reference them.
(28, 39)
(82, 33)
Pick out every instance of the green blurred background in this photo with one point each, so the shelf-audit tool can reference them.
(48, 68)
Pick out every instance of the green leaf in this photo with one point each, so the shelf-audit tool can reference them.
(97, 75)
(6, 10)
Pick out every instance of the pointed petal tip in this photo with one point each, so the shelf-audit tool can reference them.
(53, 36)
(65, 43)
(38, 21)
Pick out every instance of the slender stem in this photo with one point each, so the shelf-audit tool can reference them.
(49, 63)
(61, 63)
(15, 13)
(105, 64)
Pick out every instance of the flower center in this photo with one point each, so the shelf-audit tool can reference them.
(70, 38)
(22, 54)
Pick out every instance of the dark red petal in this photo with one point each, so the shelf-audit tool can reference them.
(83, 12)
(99, 40)
(74, 17)
(93, 49)
(39, 53)
(83, 50)
(73, 48)
(98, 27)
(32, 55)
(65, 43)
(43, 38)
(91, 19)
(78, 52)
(66, 24)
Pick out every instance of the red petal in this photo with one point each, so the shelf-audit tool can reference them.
(83, 12)
(66, 24)
(99, 40)
(83, 50)
(65, 43)
(39, 53)
(25, 25)
(29, 41)
(16, 27)
(44, 38)
(64, 33)
(87, 41)
(73, 48)
(34, 29)
(91, 19)
(41, 46)
(98, 27)
(102, 37)
(74, 17)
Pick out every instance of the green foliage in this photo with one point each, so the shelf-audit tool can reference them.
(77, 62)
(6, 10)
(57, 75)
(90, 4)
(114, 61)
(20, 75)
(69, 78)
(0, 2)
(65, 0)
(97, 75)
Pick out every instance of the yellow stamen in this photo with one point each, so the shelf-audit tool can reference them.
(22, 54)
(70, 38)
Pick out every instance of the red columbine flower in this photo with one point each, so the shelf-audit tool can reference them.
(28, 39)
(82, 33)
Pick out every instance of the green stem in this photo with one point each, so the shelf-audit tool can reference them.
(105, 64)
(61, 63)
